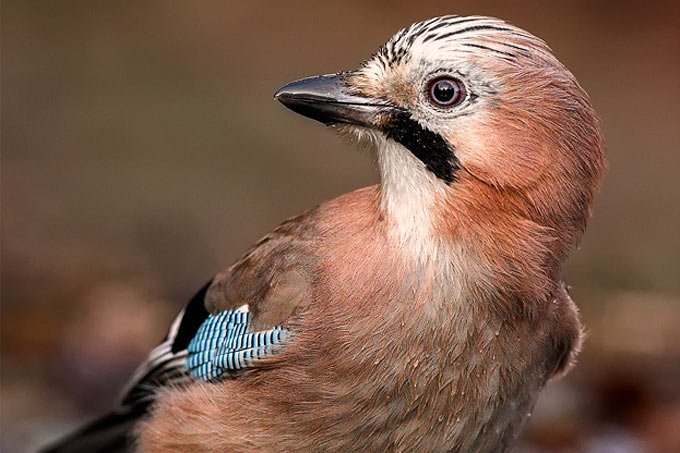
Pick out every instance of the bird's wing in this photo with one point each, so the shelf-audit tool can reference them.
(236, 318)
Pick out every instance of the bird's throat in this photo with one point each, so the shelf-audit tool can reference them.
(408, 193)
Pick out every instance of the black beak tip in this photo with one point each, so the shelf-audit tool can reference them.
(284, 97)
(279, 93)
(326, 99)
(324, 87)
(290, 94)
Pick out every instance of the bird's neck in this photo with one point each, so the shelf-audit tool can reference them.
(408, 192)
(469, 228)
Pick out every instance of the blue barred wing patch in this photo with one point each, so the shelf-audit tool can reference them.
(224, 343)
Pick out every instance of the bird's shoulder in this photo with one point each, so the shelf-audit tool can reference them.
(274, 277)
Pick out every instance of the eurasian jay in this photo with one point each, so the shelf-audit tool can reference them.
(422, 314)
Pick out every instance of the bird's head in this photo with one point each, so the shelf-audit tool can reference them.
(477, 126)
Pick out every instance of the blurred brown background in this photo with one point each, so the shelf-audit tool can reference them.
(142, 152)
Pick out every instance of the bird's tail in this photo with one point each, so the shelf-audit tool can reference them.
(113, 432)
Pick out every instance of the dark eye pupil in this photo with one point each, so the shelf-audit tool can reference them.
(446, 92)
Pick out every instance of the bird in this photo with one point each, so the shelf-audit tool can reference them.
(423, 313)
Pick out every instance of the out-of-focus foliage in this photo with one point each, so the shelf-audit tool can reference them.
(142, 152)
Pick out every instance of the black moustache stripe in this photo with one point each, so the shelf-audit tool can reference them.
(431, 148)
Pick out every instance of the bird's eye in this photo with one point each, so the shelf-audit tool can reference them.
(446, 91)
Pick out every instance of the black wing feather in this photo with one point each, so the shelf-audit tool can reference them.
(165, 364)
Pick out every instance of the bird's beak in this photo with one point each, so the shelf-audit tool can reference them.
(327, 99)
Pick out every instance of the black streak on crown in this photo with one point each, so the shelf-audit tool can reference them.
(431, 148)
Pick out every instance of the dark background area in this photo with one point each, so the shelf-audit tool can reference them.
(142, 152)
